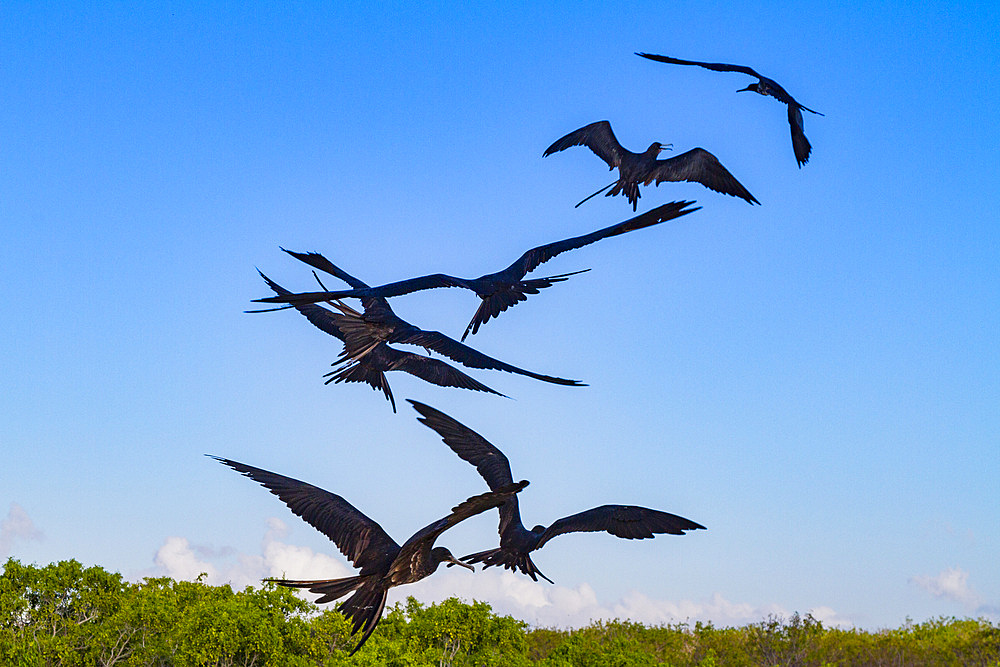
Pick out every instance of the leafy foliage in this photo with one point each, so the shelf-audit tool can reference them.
(66, 614)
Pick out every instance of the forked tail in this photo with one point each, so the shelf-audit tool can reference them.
(511, 561)
(596, 193)
(330, 589)
(363, 609)
(501, 300)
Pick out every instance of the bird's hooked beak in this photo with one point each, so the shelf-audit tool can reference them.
(743, 90)
(666, 147)
(454, 561)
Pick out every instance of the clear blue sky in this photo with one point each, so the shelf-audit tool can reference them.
(817, 380)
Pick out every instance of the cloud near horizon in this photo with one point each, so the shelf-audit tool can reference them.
(17, 525)
(541, 605)
(953, 584)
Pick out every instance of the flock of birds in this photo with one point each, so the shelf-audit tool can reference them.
(367, 356)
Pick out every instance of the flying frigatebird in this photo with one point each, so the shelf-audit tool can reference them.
(378, 324)
(516, 542)
(383, 564)
(764, 86)
(503, 289)
(372, 367)
(697, 165)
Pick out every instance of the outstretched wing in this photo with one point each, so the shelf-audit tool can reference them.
(434, 371)
(473, 448)
(463, 354)
(469, 445)
(718, 67)
(322, 318)
(384, 291)
(543, 253)
(598, 137)
(359, 538)
(699, 166)
(318, 261)
(424, 538)
(627, 521)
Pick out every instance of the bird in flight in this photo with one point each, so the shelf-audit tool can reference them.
(697, 165)
(516, 542)
(503, 289)
(378, 324)
(372, 367)
(383, 564)
(764, 86)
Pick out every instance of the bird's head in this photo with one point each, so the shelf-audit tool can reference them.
(442, 555)
(752, 87)
(656, 148)
(538, 530)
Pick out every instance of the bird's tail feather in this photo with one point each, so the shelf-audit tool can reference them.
(800, 144)
(364, 610)
(501, 300)
(597, 193)
(511, 561)
(330, 589)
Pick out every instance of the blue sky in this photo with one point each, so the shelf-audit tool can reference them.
(816, 380)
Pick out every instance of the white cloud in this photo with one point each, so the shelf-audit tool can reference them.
(950, 584)
(181, 560)
(540, 604)
(17, 525)
(545, 605)
(178, 560)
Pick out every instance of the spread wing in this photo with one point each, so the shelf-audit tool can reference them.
(699, 166)
(598, 137)
(627, 521)
(532, 258)
(371, 369)
(359, 538)
(384, 291)
(469, 445)
(718, 67)
(318, 261)
(463, 354)
(434, 371)
(424, 538)
(473, 448)
(322, 318)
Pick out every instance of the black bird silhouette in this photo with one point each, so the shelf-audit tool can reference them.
(503, 289)
(363, 332)
(382, 562)
(697, 165)
(764, 86)
(516, 543)
(372, 366)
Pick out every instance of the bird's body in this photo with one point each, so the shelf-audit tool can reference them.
(516, 542)
(696, 165)
(379, 325)
(383, 564)
(503, 289)
(371, 367)
(766, 87)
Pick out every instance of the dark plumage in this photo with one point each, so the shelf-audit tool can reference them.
(371, 367)
(382, 563)
(505, 288)
(764, 86)
(378, 324)
(697, 165)
(516, 542)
